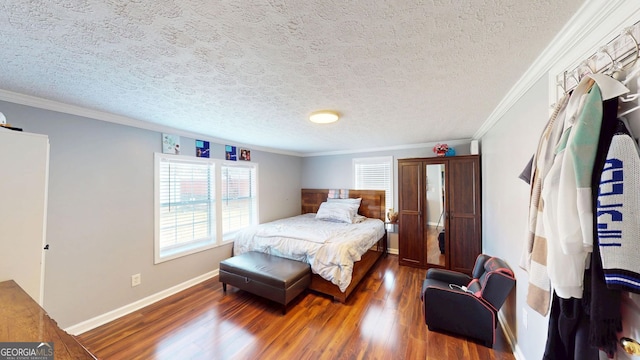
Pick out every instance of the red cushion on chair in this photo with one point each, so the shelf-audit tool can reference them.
(475, 287)
(496, 265)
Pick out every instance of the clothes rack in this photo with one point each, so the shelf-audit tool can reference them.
(622, 52)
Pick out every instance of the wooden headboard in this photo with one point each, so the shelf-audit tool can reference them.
(371, 206)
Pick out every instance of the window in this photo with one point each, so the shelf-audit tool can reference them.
(187, 216)
(375, 173)
(239, 197)
(185, 206)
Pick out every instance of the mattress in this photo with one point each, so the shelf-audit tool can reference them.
(331, 248)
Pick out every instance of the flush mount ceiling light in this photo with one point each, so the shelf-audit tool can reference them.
(324, 116)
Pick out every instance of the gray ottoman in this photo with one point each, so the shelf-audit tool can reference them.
(271, 277)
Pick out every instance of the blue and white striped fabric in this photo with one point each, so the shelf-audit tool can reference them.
(618, 215)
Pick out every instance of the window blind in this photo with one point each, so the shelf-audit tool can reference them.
(239, 197)
(375, 173)
(186, 194)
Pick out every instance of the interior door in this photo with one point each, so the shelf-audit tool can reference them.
(23, 205)
(410, 215)
(463, 179)
(630, 325)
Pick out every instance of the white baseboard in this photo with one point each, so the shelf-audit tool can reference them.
(511, 339)
(393, 251)
(127, 309)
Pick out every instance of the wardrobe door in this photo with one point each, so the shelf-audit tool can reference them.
(435, 236)
(464, 212)
(410, 216)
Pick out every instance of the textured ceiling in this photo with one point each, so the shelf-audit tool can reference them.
(250, 72)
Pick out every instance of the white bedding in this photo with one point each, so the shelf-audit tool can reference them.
(330, 248)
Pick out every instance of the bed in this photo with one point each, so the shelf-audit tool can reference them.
(340, 254)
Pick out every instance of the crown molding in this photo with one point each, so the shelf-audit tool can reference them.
(389, 148)
(60, 107)
(584, 29)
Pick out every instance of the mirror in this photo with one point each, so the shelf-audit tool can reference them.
(436, 215)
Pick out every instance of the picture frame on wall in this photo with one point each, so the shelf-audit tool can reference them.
(171, 144)
(230, 153)
(202, 148)
(245, 154)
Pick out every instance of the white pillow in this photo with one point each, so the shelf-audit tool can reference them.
(351, 202)
(337, 211)
(345, 201)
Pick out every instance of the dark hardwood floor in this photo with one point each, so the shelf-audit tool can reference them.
(381, 320)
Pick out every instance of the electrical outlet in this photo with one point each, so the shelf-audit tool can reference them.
(525, 318)
(136, 279)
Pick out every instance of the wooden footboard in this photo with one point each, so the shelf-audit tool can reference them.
(360, 269)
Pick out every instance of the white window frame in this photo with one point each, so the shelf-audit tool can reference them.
(229, 235)
(379, 160)
(216, 237)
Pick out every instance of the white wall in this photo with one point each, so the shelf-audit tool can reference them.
(506, 149)
(100, 215)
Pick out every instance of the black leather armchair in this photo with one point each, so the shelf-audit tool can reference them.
(466, 305)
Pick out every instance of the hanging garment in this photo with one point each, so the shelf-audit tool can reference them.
(566, 256)
(618, 212)
(527, 173)
(567, 188)
(575, 221)
(603, 303)
(579, 327)
(534, 255)
(567, 336)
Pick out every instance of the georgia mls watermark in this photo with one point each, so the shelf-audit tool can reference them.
(26, 350)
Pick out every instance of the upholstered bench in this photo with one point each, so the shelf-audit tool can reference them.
(272, 277)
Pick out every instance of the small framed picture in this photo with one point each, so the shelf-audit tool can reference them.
(245, 154)
(171, 144)
(202, 148)
(230, 153)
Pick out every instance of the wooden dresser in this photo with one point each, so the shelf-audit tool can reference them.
(23, 320)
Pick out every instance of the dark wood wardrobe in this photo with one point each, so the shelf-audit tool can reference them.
(439, 215)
